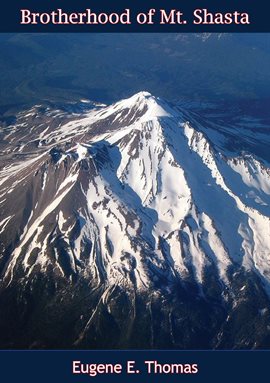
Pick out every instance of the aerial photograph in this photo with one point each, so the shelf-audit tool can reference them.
(135, 191)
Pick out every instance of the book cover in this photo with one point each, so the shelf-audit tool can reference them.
(134, 191)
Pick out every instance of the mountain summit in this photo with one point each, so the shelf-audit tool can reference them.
(127, 226)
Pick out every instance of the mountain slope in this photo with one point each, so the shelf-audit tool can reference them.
(126, 217)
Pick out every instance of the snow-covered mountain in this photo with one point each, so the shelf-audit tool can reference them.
(131, 225)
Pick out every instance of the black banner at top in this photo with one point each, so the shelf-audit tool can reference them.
(135, 16)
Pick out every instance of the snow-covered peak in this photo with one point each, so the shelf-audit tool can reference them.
(153, 107)
(143, 93)
(132, 199)
(139, 169)
(141, 107)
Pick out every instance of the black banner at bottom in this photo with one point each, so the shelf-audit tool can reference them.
(133, 366)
